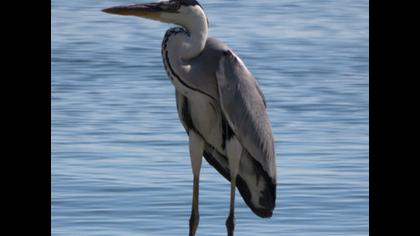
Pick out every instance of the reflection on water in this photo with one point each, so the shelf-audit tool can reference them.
(120, 162)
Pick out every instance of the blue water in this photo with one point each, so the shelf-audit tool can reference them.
(120, 162)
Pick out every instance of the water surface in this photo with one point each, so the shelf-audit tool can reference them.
(120, 162)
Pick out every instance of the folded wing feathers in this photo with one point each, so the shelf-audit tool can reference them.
(244, 106)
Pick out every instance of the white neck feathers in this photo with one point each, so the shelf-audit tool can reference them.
(194, 42)
(194, 21)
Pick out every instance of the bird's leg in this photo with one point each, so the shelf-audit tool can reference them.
(234, 152)
(230, 221)
(196, 154)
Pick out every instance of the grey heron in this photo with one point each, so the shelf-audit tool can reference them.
(220, 105)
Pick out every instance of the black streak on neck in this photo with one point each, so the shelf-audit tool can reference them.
(169, 33)
(227, 132)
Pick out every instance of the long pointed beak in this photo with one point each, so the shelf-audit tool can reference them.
(148, 10)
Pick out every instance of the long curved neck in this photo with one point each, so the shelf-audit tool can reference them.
(195, 40)
(189, 42)
(177, 47)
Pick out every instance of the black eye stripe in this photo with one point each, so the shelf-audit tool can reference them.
(189, 2)
(176, 4)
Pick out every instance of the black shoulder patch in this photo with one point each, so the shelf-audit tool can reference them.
(227, 53)
(227, 132)
(186, 115)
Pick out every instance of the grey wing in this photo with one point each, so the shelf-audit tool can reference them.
(243, 106)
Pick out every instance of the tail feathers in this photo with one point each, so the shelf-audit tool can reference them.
(256, 187)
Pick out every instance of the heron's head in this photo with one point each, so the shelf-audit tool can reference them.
(180, 12)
